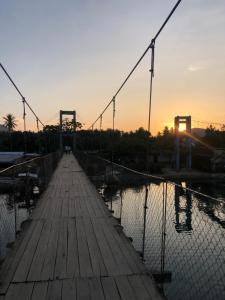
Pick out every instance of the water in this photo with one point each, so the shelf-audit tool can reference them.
(11, 218)
(193, 254)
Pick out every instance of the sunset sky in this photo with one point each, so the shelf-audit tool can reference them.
(74, 54)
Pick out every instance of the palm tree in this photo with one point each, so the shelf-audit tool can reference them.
(10, 122)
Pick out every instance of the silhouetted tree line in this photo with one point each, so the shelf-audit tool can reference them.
(42, 142)
(127, 147)
(137, 146)
(32, 142)
(122, 143)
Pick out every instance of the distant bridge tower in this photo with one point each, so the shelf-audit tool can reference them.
(186, 137)
(61, 133)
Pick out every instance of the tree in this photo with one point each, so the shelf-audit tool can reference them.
(10, 122)
(223, 127)
(166, 131)
(51, 128)
(67, 126)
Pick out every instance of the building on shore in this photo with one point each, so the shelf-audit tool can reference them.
(3, 128)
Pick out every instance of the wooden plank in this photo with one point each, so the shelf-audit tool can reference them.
(68, 290)
(21, 291)
(72, 254)
(110, 288)
(50, 256)
(37, 263)
(83, 250)
(46, 203)
(96, 290)
(129, 252)
(40, 206)
(71, 206)
(120, 259)
(56, 204)
(65, 204)
(83, 289)
(97, 262)
(12, 292)
(106, 252)
(90, 211)
(124, 288)
(60, 199)
(54, 290)
(26, 260)
(9, 267)
(138, 287)
(151, 288)
(77, 206)
(40, 291)
(61, 257)
(25, 291)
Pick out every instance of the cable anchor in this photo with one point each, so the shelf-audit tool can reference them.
(37, 124)
(24, 113)
(152, 57)
(114, 107)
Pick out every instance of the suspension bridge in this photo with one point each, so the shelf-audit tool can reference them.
(76, 244)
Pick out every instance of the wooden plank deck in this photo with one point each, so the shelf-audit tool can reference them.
(72, 249)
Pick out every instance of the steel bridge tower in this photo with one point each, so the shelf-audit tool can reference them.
(186, 137)
(61, 133)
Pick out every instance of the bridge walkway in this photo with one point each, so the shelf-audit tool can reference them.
(73, 248)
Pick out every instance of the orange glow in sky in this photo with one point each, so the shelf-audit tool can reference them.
(78, 53)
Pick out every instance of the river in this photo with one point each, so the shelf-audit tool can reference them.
(187, 244)
(12, 215)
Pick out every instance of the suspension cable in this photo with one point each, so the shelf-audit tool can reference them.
(140, 59)
(19, 92)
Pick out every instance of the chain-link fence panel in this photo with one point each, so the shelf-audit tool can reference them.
(179, 232)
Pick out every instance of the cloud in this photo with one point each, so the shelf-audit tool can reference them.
(198, 66)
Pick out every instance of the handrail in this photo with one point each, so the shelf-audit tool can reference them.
(160, 178)
(23, 163)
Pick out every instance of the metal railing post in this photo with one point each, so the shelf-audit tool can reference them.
(14, 202)
(121, 206)
(163, 233)
(144, 225)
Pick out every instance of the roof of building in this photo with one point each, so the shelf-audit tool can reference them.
(3, 128)
(10, 157)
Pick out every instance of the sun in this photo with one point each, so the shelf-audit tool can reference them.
(182, 127)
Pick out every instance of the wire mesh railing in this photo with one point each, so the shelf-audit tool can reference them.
(20, 187)
(179, 232)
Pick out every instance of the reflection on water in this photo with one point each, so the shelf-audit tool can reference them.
(183, 211)
(11, 218)
(187, 244)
